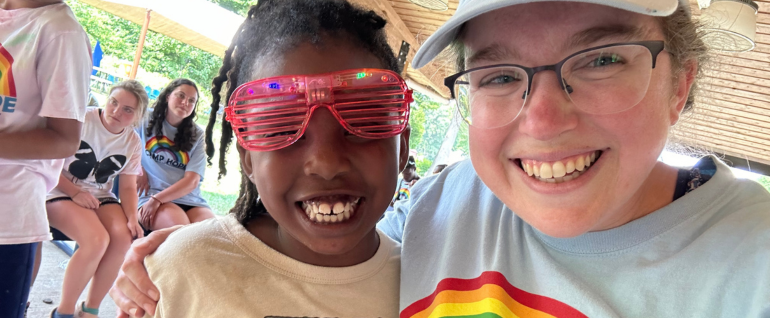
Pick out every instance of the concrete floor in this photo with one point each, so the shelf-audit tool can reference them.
(48, 285)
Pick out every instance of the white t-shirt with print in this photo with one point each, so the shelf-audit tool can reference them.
(102, 156)
(45, 68)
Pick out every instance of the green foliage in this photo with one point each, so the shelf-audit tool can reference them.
(461, 143)
(238, 6)
(765, 181)
(161, 54)
(430, 121)
(422, 166)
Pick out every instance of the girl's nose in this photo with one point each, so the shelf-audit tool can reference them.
(326, 156)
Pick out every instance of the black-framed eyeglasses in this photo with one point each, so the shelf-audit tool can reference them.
(600, 80)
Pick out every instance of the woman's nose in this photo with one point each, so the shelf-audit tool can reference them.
(547, 112)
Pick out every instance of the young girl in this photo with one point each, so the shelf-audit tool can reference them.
(44, 74)
(174, 160)
(321, 118)
(83, 207)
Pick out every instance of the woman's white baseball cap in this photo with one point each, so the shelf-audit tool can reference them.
(469, 9)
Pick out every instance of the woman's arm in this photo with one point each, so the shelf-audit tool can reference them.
(187, 184)
(59, 139)
(128, 201)
(181, 188)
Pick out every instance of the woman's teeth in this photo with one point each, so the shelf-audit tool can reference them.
(559, 171)
(330, 210)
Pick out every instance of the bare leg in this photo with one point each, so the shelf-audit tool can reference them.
(198, 214)
(83, 226)
(115, 222)
(168, 215)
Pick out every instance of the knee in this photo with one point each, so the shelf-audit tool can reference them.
(97, 240)
(120, 238)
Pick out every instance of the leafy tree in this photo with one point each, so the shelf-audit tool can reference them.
(161, 54)
(765, 181)
(429, 121)
(238, 6)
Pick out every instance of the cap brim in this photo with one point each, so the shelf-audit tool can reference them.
(471, 9)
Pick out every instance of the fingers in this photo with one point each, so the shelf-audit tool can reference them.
(139, 231)
(126, 307)
(132, 229)
(133, 279)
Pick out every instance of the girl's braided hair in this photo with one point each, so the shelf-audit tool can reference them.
(186, 133)
(271, 28)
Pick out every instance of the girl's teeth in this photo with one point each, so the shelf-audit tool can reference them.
(329, 212)
(536, 171)
(325, 208)
(338, 208)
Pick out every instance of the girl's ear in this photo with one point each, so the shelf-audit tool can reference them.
(245, 161)
(403, 155)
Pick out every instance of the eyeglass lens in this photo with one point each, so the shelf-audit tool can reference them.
(601, 81)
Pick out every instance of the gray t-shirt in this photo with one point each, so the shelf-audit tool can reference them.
(165, 165)
(464, 253)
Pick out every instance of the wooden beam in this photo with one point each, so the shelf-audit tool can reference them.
(140, 47)
(397, 31)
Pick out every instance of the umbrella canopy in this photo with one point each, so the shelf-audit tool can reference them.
(199, 23)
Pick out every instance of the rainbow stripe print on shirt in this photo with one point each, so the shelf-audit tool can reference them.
(487, 296)
(163, 145)
(7, 85)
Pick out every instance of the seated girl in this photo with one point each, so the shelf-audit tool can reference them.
(83, 207)
(321, 119)
(174, 161)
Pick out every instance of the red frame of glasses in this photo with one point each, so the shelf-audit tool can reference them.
(349, 95)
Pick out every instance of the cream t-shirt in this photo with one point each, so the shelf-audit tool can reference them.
(216, 268)
(45, 70)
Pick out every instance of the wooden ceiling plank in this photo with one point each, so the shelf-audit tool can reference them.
(724, 135)
(697, 138)
(731, 129)
(747, 111)
(709, 112)
(397, 31)
(726, 94)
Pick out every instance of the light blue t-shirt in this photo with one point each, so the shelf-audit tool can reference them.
(165, 165)
(464, 253)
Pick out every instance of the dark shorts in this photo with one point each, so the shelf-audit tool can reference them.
(16, 264)
(184, 208)
(102, 201)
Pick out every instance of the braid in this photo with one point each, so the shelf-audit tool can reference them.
(271, 28)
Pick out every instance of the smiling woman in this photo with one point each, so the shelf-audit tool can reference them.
(174, 167)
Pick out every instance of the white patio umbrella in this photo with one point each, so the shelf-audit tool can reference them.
(199, 23)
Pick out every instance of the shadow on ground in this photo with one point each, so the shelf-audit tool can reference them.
(48, 285)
